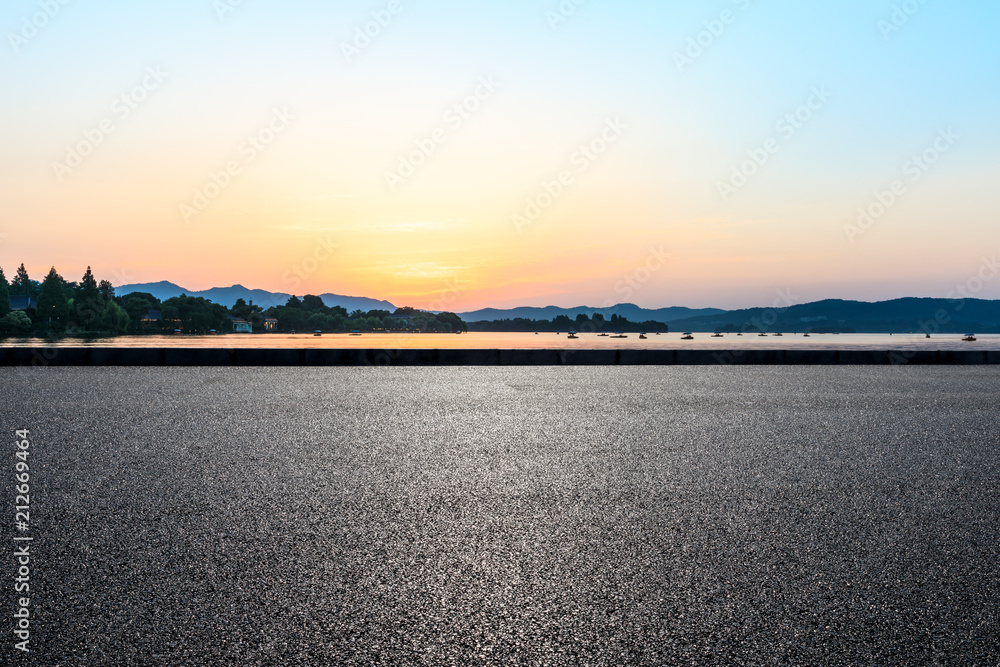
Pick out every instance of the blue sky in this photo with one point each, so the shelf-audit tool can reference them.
(891, 92)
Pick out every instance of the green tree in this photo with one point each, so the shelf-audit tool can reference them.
(450, 322)
(15, 322)
(241, 309)
(107, 290)
(88, 304)
(22, 285)
(196, 313)
(4, 295)
(53, 305)
(313, 302)
(138, 305)
(114, 319)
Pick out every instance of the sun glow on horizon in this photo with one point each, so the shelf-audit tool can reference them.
(486, 157)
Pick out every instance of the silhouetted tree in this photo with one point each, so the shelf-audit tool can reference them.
(22, 285)
(4, 294)
(52, 302)
(107, 290)
(88, 303)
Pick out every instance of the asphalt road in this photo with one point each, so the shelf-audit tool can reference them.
(744, 515)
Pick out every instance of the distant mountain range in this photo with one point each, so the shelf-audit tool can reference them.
(227, 296)
(918, 315)
(629, 311)
(895, 316)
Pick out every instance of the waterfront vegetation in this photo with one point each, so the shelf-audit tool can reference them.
(583, 324)
(57, 307)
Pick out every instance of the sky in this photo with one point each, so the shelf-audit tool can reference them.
(456, 155)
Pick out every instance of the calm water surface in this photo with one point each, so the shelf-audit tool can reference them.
(529, 341)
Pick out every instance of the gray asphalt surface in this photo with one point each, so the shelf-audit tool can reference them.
(764, 515)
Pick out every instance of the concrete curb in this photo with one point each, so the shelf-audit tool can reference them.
(290, 357)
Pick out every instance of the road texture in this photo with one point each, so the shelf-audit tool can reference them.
(573, 515)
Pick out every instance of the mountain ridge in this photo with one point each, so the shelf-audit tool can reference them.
(227, 296)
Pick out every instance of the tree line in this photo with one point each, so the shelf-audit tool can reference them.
(61, 306)
(596, 324)
(91, 307)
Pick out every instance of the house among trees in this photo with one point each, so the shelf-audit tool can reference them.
(18, 302)
(240, 325)
(270, 324)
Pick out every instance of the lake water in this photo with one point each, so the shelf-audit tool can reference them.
(530, 341)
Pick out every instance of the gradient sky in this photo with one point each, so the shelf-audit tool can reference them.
(645, 222)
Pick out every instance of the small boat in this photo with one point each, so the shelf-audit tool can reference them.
(739, 334)
(642, 335)
(762, 334)
(778, 334)
(536, 333)
(969, 338)
(572, 335)
(805, 335)
(619, 335)
(927, 335)
(687, 337)
(317, 333)
(602, 334)
(177, 332)
(353, 333)
(717, 335)
(657, 333)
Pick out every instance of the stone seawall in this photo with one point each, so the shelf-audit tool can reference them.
(124, 356)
